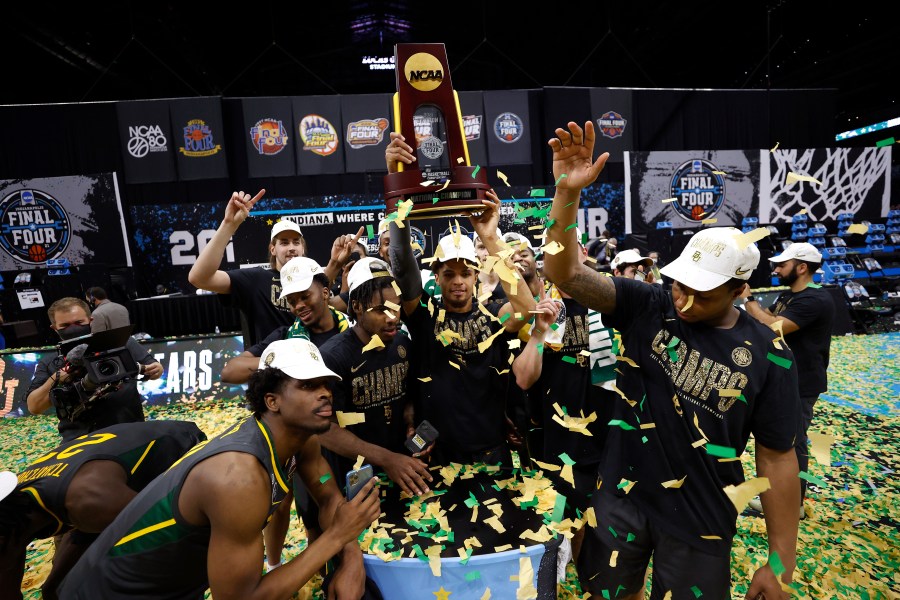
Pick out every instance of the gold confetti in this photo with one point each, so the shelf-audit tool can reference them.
(688, 304)
(359, 461)
(502, 176)
(613, 558)
(392, 305)
(740, 495)
(775, 147)
(709, 221)
(424, 379)
(821, 447)
(857, 228)
(374, 342)
(553, 247)
(745, 239)
(667, 200)
(674, 483)
(795, 177)
(349, 418)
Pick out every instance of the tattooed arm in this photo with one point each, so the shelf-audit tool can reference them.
(573, 171)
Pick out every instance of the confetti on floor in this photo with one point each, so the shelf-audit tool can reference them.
(849, 544)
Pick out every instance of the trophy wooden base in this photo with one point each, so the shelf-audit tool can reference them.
(462, 196)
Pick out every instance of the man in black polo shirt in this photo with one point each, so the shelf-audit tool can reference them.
(703, 376)
(806, 314)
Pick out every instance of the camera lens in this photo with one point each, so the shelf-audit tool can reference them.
(107, 368)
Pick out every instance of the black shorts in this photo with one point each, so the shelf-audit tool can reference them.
(578, 498)
(677, 566)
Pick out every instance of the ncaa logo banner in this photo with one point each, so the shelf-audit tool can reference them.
(146, 141)
(77, 218)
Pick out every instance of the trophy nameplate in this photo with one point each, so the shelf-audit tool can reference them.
(427, 113)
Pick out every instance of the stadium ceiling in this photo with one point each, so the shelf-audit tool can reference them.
(104, 51)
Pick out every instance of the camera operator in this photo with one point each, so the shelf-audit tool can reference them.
(70, 318)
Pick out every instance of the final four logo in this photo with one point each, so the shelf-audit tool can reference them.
(698, 189)
(198, 140)
(611, 124)
(269, 136)
(318, 135)
(33, 227)
(508, 127)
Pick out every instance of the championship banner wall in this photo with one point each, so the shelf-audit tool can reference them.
(78, 218)
(688, 189)
(148, 151)
(267, 132)
(853, 180)
(318, 135)
(191, 372)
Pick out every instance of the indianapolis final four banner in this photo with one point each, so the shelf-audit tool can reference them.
(78, 218)
(690, 189)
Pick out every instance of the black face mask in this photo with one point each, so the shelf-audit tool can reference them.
(74, 331)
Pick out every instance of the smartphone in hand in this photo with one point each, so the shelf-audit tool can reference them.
(358, 478)
(423, 437)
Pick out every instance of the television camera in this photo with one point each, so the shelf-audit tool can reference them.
(98, 364)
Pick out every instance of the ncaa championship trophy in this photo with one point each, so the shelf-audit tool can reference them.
(426, 112)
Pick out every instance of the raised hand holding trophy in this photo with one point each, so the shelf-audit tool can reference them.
(427, 114)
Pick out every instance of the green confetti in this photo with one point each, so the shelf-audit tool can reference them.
(558, 509)
(471, 501)
(538, 193)
(324, 478)
(720, 451)
(475, 172)
(813, 479)
(554, 326)
(540, 348)
(613, 531)
(622, 424)
(435, 200)
(584, 238)
(465, 561)
(644, 439)
(776, 564)
(370, 231)
(572, 226)
(696, 590)
(472, 575)
(814, 286)
(504, 318)
(883, 143)
(619, 589)
(742, 399)
(630, 537)
(569, 359)
(561, 177)
(605, 594)
(778, 360)
(568, 205)
(566, 459)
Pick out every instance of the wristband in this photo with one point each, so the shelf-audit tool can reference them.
(749, 298)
